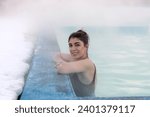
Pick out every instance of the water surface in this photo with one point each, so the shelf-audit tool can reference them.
(122, 58)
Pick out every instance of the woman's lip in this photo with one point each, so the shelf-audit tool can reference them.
(74, 53)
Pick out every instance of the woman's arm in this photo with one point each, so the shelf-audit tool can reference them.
(73, 67)
(63, 56)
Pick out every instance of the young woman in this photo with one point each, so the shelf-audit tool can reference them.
(77, 64)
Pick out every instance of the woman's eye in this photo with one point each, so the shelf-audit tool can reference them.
(77, 45)
(70, 45)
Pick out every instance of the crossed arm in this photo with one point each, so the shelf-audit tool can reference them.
(66, 65)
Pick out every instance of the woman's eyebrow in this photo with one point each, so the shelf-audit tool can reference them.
(77, 43)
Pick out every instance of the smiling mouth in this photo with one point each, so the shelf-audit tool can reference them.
(74, 53)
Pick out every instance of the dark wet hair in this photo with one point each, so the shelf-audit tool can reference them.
(81, 35)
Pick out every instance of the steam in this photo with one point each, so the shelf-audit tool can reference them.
(79, 12)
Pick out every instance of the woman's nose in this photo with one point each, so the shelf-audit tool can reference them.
(73, 48)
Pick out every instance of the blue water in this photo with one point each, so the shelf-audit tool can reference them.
(122, 58)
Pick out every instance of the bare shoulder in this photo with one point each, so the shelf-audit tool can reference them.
(86, 64)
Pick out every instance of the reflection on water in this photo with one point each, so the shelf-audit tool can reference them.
(121, 55)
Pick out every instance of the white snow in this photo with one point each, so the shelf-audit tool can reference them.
(15, 52)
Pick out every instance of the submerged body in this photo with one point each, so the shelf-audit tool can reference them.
(81, 89)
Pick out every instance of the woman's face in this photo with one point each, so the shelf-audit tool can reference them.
(77, 49)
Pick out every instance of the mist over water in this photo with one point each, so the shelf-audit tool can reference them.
(78, 12)
(18, 18)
